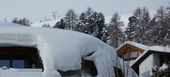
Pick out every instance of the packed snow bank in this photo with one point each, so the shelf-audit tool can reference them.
(64, 50)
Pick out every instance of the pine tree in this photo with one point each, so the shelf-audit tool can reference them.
(167, 20)
(70, 19)
(115, 33)
(144, 25)
(131, 29)
(100, 23)
(87, 20)
(91, 22)
(149, 33)
(61, 24)
(15, 20)
(24, 21)
(81, 23)
(158, 31)
(161, 26)
(138, 25)
(89, 11)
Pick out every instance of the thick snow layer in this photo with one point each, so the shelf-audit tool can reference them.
(160, 48)
(63, 49)
(164, 67)
(20, 72)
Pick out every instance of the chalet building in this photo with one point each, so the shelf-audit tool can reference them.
(154, 62)
(146, 61)
(129, 51)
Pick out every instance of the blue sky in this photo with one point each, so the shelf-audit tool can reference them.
(36, 10)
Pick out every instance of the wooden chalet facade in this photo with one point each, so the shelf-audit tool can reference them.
(129, 51)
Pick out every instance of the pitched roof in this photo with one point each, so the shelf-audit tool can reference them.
(122, 49)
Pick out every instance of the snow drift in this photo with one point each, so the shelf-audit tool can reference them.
(63, 49)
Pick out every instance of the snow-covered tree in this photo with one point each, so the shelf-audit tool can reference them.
(131, 29)
(149, 34)
(91, 22)
(86, 21)
(80, 27)
(15, 20)
(100, 23)
(144, 26)
(138, 24)
(160, 28)
(61, 24)
(70, 19)
(116, 35)
(23, 21)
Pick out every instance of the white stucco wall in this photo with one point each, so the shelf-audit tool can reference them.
(146, 65)
(151, 61)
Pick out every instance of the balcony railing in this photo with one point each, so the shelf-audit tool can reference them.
(10, 72)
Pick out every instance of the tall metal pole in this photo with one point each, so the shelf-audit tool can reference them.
(5, 19)
(54, 15)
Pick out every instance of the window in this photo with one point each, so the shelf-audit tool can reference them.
(12, 62)
(20, 57)
(4, 63)
(18, 63)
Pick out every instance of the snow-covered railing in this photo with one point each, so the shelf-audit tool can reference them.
(18, 38)
(11, 72)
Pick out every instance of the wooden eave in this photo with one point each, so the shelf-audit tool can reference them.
(128, 48)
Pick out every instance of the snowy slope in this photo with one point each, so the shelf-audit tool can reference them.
(63, 49)
(40, 24)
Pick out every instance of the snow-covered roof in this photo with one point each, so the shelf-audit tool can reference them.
(63, 49)
(160, 48)
(122, 49)
(133, 44)
(151, 49)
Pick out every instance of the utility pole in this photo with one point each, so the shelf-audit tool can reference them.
(5, 19)
(54, 15)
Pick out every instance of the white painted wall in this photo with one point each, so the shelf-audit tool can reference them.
(151, 61)
(146, 65)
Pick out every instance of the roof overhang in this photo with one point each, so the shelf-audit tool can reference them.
(133, 46)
